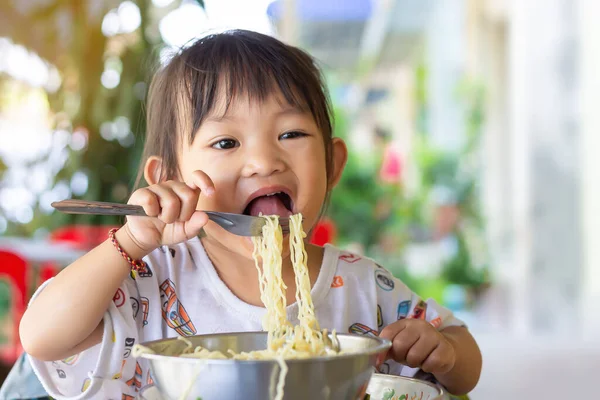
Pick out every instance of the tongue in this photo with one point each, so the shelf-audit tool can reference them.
(269, 205)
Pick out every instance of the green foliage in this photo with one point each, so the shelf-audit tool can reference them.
(73, 41)
(357, 201)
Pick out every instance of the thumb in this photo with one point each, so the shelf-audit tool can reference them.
(195, 224)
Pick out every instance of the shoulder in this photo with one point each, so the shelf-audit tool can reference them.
(354, 263)
(350, 261)
(366, 271)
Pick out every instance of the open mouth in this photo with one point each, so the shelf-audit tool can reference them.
(276, 203)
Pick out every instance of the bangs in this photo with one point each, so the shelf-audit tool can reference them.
(216, 72)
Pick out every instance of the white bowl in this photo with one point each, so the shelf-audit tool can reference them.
(389, 387)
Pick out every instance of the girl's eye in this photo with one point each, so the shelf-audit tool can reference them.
(225, 144)
(292, 135)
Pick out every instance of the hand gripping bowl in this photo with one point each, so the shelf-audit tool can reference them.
(343, 376)
(388, 387)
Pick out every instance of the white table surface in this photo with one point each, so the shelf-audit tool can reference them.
(36, 250)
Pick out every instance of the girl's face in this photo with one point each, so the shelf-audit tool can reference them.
(264, 158)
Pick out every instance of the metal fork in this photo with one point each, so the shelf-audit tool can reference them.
(238, 224)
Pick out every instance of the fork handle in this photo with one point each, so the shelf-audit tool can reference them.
(98, 208)
(105, 208)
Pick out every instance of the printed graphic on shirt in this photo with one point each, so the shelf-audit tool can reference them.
(420, 310)
(119, 298)
(383, 280)
(136, 381)
(172, 251)
(403, 309)
(71, 360)
(61, 374)
(86, 384)
(145, 305)
(135, 306)
(149, 380)
(173, 311)
(129, 342)
(436, 322)
(119, 374)
(384, 368)
(144, 272)
(349, 258)
(362, 329)
(379, 317)
(338, 281)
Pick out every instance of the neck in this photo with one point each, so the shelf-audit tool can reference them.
(238, 271)
(226, 261)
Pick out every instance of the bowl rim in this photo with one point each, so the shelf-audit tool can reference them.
(439, 388)
(383, 345)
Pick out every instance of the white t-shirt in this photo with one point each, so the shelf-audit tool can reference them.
(181, 294)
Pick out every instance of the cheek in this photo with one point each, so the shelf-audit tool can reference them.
(314, 189)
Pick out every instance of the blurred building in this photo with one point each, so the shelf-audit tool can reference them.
(536, 61)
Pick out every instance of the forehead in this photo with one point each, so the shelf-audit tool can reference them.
(242, 105)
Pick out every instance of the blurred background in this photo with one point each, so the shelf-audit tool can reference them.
(472, 128)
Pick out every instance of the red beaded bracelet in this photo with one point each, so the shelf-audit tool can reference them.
(136, 265)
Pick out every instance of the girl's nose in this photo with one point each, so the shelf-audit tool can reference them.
(263, 161)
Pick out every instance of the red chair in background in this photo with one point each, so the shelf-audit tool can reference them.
(84, 237)
(17, 273)
(14, 269)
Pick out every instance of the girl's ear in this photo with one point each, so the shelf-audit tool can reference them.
(152, 170)
(340, 156)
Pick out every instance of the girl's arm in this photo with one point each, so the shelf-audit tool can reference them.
(66, 317)
(463, 377)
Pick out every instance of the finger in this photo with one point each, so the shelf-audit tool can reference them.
(195, 224)
(402, 343)
(389, 333)
(170, 203)
(419, 352)
(147, 199)
(200, 180)
(188, 198)
(441, 360)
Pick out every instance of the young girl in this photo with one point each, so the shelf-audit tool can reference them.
(238, 122)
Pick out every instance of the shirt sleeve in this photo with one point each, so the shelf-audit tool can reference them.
(395, 301)
(106, 370)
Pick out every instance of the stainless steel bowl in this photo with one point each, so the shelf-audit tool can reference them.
(384, 387)
(343, 377)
